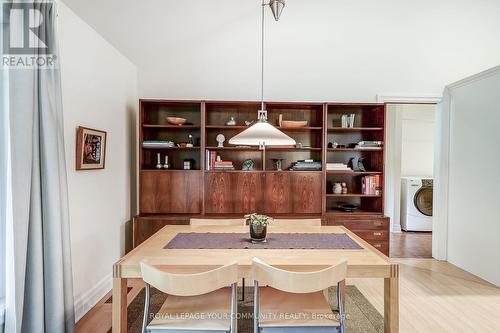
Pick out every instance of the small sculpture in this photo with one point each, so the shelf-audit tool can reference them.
(361, 166)
(158, 161)
(220, 139)
(337, 188)
(350, 164)
(248, 165)
(231, 122)
(166, 165)
(344, 188)
(278, 162)
(190, 141)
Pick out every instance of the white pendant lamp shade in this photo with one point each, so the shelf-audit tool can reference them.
(262, 133)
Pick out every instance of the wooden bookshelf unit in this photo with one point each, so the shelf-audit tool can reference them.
(174, 195)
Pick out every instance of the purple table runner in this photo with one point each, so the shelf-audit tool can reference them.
(220, 240)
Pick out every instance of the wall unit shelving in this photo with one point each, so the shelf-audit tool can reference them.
(177, 194)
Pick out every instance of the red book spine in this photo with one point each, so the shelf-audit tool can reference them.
(213, 157)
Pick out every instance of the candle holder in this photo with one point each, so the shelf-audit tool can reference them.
(158, 161)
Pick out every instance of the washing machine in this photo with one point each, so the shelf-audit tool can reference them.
(416, 204)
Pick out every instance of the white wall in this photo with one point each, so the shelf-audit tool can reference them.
(473, 190)
(409, 151)
(99, 91)
(417, 136)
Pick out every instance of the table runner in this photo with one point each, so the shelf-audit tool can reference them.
(221, 240)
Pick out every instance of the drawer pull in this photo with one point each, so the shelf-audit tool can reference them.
(377, 245)
(377, 223)
(377, 234)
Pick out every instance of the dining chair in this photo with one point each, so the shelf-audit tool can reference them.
(297, 222)
(293, 302)
(200, 302)
(223, 222)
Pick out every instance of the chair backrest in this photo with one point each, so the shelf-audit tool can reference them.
(298, 282)
(297, 222)
(223, 222)
(189, 284)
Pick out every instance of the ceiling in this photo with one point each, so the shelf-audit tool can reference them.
(319, 50)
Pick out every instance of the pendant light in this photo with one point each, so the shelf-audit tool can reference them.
(262, 133)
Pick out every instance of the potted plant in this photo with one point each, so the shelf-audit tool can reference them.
(258, 226)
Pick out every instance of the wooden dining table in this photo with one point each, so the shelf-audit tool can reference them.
(366, 262)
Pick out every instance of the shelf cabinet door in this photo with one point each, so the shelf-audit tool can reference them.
(306, 192)
(170, 192)
(277, 192)
(247, 192)
(218, 193)
(238, 192)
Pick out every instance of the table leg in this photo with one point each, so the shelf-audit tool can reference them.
(119, 305)
(391, 301)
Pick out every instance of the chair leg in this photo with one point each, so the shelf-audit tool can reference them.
(242, 289)
(147, 298)
(255, 307)
(234, 307)
(340, 299)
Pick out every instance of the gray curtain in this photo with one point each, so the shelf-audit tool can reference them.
(39, 286)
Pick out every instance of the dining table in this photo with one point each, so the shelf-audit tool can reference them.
(364, 261)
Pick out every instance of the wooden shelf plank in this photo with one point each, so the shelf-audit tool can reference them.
(285, 129)
(357, 149)
(171, 148)
(267, 148)
(234, 148)
(335, 172)
(354, 129)
(356, 212)
(170, 126)
(169, 170)
(351, 195)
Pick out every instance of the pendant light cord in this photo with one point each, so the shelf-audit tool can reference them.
(262, 61)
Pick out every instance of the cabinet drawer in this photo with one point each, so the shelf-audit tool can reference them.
(372, 235)
(364, 224)
(381, 246)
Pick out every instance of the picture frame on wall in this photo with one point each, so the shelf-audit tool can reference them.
(90, 148)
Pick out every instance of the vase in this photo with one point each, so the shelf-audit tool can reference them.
(258, 232)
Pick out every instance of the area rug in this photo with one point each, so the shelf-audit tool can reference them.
(361, 316)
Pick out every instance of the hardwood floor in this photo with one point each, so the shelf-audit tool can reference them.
(435, 296)
(411, 245)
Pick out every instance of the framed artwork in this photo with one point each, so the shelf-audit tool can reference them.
(90, 148)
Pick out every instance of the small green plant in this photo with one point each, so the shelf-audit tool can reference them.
(262, 220)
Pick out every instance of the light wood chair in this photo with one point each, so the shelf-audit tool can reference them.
(223, 222)
(300, 295)
(297, 222)
(206, 296)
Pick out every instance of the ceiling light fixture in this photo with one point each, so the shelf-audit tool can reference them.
(262, 133)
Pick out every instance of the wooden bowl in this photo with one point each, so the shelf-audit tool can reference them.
(294, 123)
(176, 120)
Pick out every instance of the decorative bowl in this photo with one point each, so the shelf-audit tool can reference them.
(176, 120)
(294, 123)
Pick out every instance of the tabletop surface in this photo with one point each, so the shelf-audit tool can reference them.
(365, 262)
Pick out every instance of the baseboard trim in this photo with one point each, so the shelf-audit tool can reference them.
(86, 301)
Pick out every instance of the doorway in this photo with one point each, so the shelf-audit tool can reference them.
(409, 178)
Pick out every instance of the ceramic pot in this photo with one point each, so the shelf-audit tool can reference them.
(258, 232)
(337, 188)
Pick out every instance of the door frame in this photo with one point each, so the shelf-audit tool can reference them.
(441, 163)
